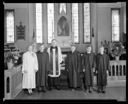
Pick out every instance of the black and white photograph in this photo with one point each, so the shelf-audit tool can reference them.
(65, 51)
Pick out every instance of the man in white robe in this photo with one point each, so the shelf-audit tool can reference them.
(29, 69)
(55, 58)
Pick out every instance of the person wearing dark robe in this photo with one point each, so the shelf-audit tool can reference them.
(102, 69)
(73, 67)
(88, 68)
(55, 58)
(43, 66)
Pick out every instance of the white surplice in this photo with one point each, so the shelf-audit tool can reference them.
(54, 62)
(29, 69)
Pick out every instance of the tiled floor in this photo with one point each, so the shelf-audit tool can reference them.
(118, 93)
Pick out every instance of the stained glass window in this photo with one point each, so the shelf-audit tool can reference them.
(75, 28)
(87, 38)
(50, 21)
(63, 7)
(39, 35)
(9, 25)
(115, 25)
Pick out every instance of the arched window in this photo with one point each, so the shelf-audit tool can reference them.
(39, 35)
(115, 25)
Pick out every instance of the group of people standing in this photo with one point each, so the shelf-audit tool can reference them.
(42, 69)
(82, 68)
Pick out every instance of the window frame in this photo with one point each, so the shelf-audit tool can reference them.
(42, 25)
(119, 24)
(47, 21)
(89, 26)
(5, 27)
(78, 25)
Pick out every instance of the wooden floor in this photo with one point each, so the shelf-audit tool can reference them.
(116, 93)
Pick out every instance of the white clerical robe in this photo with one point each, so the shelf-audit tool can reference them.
(29, 69)
(54, 62)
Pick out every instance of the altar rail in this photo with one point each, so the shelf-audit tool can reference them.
(12, 82)
(117, 74)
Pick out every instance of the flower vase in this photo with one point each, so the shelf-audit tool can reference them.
(10, 64)
(117, 58)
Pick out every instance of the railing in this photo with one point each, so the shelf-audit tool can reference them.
(12, 82)
(117, 74)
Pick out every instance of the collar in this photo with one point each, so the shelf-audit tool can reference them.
(88, 52)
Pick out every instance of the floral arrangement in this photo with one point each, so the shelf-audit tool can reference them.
(11, 57)
(116, 49)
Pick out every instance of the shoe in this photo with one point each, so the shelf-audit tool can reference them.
(90, 91)
(44, 91)
(58, 88)
(103, 92)
(30, 92)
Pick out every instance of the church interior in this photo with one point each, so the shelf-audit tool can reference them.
(82, 24)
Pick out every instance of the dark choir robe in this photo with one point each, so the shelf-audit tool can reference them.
(102, 65)
(43, 64)
(72, 65)
(88, 65)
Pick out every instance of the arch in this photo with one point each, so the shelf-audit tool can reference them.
(63, 27)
